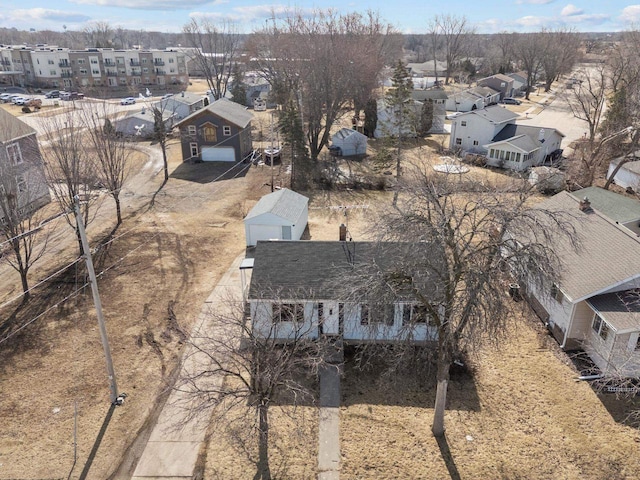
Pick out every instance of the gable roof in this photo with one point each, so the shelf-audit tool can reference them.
(325, 270)
(495, 114)
(498, 76)
(187, 98)
(521, 142)
(226, 109)
(607, 256)
(283, 203)
(534, 132)
(433, 94)
(345, 133)
(483, 91)
(12, 127)
(616, 207)
(620, 309)
(145, 115)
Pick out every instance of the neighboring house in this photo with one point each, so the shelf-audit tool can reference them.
(519, 147)
(280, 215)
(324, 288)
(428, 69)
(257, 91)
(489, 95)
(499, 82)
(220, 132)
(347, 142)
(595, 303)
(519, 81)
(181, 105)
(388, 124)
(142, 123)
(628, 176)
(21, 166)
(464, 101)
(438, 97)
(471, 131)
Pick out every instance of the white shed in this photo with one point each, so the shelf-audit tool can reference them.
(281, 215)
(350, 142)
(628, 176)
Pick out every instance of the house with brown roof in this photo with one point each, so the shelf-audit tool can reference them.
(23, 187)
(594, 304)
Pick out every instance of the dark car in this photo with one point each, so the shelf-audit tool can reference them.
(71, 96)
(511, 101)
(52, 94)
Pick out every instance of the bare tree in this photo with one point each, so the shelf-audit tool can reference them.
(245, 364)
(528, 49)
(477, 239)
(587, 99)
(454, 33)
(561, 48)
(68, 166)
(99, 35)
(110, 152)
(22, 191)
(215, 51)
(327, 60)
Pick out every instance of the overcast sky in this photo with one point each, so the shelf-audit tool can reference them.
(409, 16)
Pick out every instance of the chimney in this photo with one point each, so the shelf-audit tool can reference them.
(343, 232)
(585, 205)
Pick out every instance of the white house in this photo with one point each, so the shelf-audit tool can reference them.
(489, 95)
(387, 122)
(519, 147)
(628, 175)
(348, 142)
(280, 215)
(594, 304)
(472, 130)
(438, 98)
(315, 288)
(464, 101)
(141, 124)
(181, 105)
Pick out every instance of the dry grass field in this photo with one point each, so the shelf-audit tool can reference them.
(520, 415)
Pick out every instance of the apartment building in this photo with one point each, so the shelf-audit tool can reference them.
(44, 66)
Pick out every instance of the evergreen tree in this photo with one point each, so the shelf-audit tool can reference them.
(290, 126)
(238, 88)
(370, 117)
(426, 118)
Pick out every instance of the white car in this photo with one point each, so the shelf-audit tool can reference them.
(128, 101)
(19, 100)
(5, 97)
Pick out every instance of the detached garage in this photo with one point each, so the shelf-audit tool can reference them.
(347, 142)
(281, 215)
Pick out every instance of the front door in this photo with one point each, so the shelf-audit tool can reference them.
(341, 319)
(286, 232)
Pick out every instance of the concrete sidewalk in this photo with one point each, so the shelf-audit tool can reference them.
(172, 449)
(329, 418)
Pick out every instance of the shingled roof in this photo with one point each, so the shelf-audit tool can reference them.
(283, 203)
(226, 109)
(12, 127)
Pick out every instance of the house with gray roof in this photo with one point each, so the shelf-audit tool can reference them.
(220, 132)
(142, 123)
(329, 288)
(498, 82)
(181, 105)
(489, 95)
(280, 215)
(438, 99)
(23, 187)
(628, 175)
(464, 101)
(472, 130)
(594, 304)
(520, 147)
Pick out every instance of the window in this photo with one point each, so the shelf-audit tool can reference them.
(458, 141)
(50, 62)
(491, 153)
(320, 307)
(364, 314)
(171, 60)
(226, 130)
(95, 72)
(507, 156)
(80, 61)
(288, 312)
(414, 314)
(637, 343)
(556, 293)
(21, 184)
(144, 60)
(209, 133)
(94, 61)
(475, 142)
(378, 313)
(83, 71)
(600, 326)
(145, 70)
(463, 123)
(194, 149)
(191, 129)
(13, 151)
(518, 157)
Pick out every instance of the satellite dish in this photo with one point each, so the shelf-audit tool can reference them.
(139, 129)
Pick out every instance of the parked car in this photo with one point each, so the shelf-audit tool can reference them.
(128, 101)
(53, 94)
(20, 100)
(5, 97)
(511, 101)
(71, 96)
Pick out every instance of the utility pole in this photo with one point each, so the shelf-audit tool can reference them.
(96, 301)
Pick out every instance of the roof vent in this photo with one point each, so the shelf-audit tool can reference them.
(541, 135)
(585, 205)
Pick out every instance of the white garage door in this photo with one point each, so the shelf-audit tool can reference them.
(218, 154)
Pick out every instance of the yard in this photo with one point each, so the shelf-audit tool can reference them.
(521, 415)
